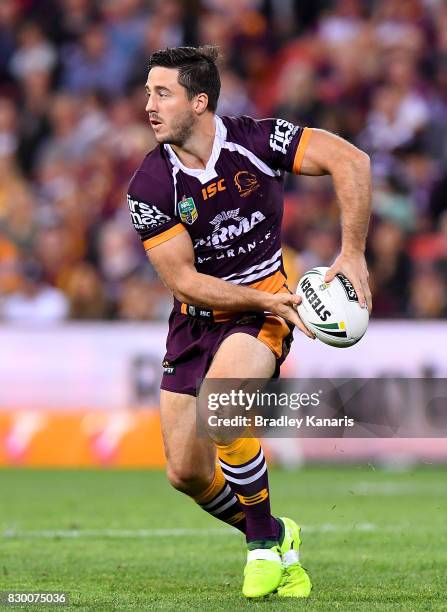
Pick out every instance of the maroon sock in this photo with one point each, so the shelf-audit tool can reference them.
(245, 469)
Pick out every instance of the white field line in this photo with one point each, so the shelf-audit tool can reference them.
(170, 533)
(373, 489)
(398, 488)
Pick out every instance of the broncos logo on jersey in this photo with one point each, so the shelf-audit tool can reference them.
(246, 182)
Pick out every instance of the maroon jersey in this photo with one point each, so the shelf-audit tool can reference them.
(232, 209)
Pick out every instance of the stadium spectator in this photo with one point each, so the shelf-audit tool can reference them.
(9, 17)
(34, 124)
(390, 269)
(93, 64)
(35, 301)
(85, 292)
(143, 299)
(33, 54)
(8, 129)
(428, 295)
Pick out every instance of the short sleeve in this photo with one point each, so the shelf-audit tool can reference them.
(279, 143)
(151, 210)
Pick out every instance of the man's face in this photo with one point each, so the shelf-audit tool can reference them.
(170, 112)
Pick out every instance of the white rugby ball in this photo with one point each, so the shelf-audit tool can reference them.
(331, 310)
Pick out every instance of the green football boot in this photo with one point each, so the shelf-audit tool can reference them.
(295, 582)
(263, 571)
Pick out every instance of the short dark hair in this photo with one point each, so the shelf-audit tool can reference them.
(197, 68)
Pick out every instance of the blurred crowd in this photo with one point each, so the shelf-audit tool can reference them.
(73, 129)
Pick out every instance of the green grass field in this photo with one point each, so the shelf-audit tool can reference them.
(123, 540)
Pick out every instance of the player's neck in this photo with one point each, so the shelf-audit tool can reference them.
(196, 151)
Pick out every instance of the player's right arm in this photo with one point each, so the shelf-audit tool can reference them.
(174, 262)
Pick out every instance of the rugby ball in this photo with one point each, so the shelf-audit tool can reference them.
(331, 310)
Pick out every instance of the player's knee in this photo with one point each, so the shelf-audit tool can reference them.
(188, 480)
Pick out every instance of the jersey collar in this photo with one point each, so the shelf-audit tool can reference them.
(203, 174)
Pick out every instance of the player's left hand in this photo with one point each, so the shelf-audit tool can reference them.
(353, 266)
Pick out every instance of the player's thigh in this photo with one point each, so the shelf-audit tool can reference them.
(190, 457)
(242, 356)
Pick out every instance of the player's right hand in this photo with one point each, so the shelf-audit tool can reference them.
(285, 305)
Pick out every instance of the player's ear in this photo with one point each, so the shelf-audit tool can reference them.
(201, 103)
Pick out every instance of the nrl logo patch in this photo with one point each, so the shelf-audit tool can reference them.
(187, 210)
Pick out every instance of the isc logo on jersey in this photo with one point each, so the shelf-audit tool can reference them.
(145, 215)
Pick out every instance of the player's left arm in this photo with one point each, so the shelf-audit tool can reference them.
(326, 153)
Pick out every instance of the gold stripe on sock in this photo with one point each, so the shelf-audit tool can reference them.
(236, 518)
(251, 500)
(214, 488)
(239, 451)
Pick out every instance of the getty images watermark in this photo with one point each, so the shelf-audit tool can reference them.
(375, 407)
(249, 402)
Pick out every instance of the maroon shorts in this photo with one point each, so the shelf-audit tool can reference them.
(192, 343)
